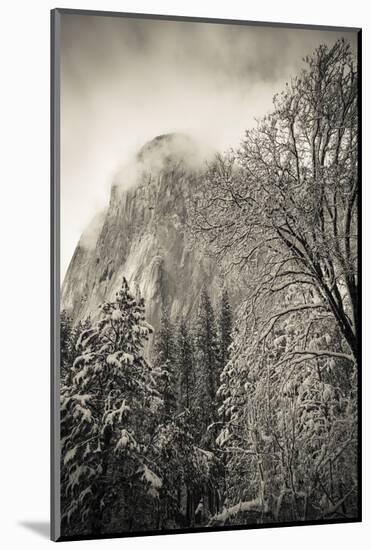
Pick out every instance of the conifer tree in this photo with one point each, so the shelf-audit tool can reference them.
(69, 338)
(208, 363)
(105, 417)
(185, 365)
(225, 328)
(66, 332)
(165, 363)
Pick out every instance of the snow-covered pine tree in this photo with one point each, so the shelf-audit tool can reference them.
(65, 344)
(105, 416)
(185, 365)
(225, 327)
(165, 363)
(190, 475)
(70, 335)
(207, 357)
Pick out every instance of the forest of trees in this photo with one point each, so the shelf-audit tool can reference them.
(246, 412)
(138, 442)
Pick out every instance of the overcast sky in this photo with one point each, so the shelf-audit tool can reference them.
(124, 81)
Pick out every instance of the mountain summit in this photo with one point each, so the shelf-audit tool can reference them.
(142, 235)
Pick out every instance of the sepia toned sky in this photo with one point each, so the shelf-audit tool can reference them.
(124, 81)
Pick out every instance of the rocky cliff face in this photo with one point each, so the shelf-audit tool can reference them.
(142, 235)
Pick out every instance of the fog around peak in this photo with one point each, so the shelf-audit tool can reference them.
(126, 81)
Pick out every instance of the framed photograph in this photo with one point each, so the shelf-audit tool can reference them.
(206, 310)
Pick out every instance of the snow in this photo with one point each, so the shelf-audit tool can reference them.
(279, 341)
(82, 398)
(155, 403)
(148, 326)
(84, 493)
(126, 440)
(64, 402)
(123, 409)
(71, 511)
(109, 418)
(75, 476)
(83, 412)
(84, 358)
(327, 393)
(81, 337)
(209, 455)
(223, 437)
(69, 455)
(116, 315)
(112, 360)
(155, 482)
(254, 505)
(128, 358)
(80, 375)
(111, 415)
(120, 357)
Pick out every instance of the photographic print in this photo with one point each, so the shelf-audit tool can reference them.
(206, 301)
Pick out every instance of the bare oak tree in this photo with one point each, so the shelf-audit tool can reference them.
(282, 211)
(284, 206)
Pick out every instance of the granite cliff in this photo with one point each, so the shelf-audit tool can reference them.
(143, 235)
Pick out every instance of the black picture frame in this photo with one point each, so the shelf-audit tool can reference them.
(55, 267)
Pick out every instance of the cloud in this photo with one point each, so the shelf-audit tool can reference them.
(90, 235)
(124, 81)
